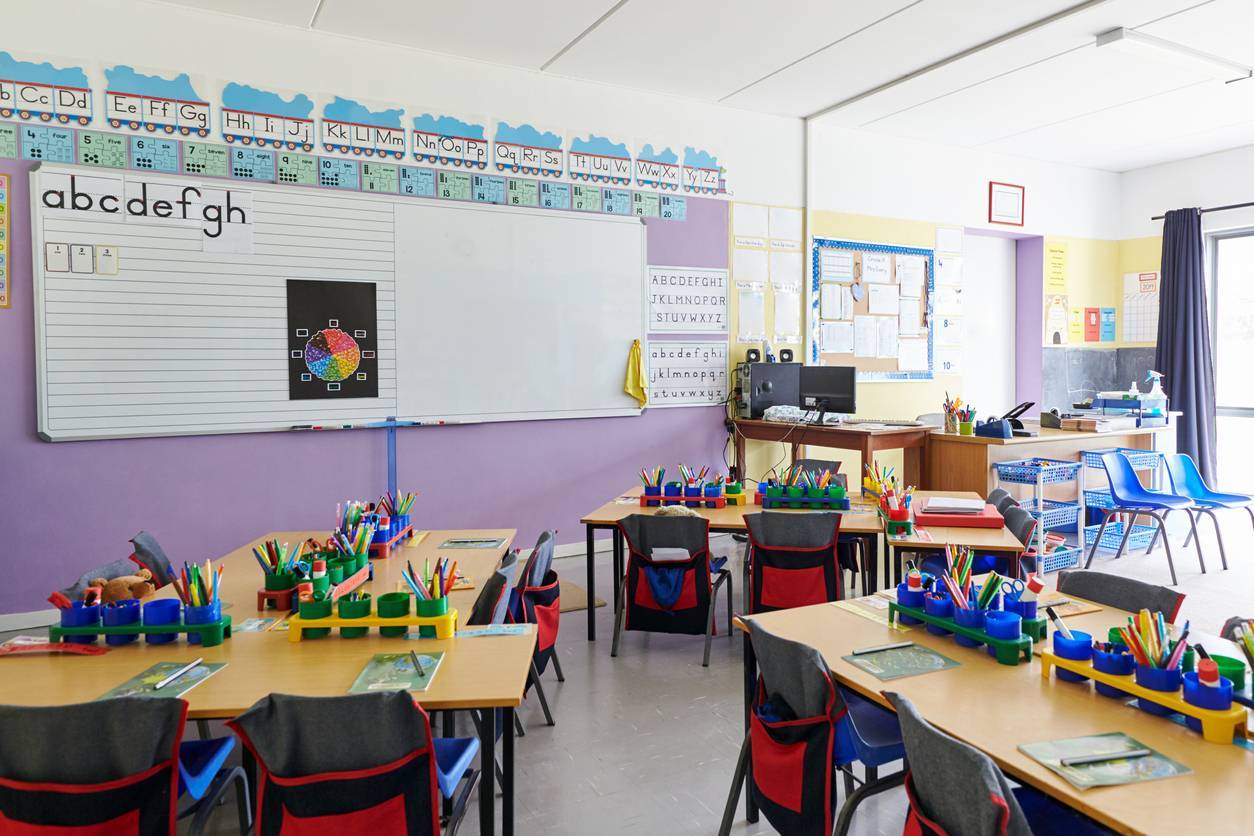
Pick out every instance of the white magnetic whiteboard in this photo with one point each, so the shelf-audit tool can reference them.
(144, 329)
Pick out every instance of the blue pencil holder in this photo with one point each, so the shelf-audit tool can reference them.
(382, 533)
(671, 489)
(938, 605)
(653, 490)
(1027, 609)
(201, 615)
(1204, 696)
(1078, 647)
(1118, 662)
(400, 522)
(712, 492)
(120, 614)
(691, 491)
(165, 611)
(1157, 679)
(1003, 625)
(970, 617)
(80, 615)
(908, 597)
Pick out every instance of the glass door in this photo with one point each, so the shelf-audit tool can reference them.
(1232, 323)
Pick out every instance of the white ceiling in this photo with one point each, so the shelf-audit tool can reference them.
(1046, 93)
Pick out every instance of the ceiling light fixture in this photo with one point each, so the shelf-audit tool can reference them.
(1137, 43)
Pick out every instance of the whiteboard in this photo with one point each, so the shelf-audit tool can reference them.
(149, 331)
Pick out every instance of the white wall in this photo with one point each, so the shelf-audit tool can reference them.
(988, 352)
(1215, 179)
(873, 174)
(762, 153)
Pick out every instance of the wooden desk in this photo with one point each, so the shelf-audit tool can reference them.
(981, 539)
(484, 673)
(863, 524)
(866, 439)
(995, 708)
(965, 462)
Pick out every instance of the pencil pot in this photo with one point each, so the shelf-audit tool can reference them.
(1218, 698)
(400, 522)
(966, 428)
(382, 532)
(653, 490)
(899, 514)
(1118, 662)
(80, 615)
(836, 491)
(691, 492)
(908, 597)
(673, 489)
(316, 609)
(774, 492)
(278, 582)
(393, 605)
(429, 609)
(207, 614)
(120, 614)
(1231, 669)
(1157, 679)
(938, 605)
(335, 572)
(1000, 624)
(165, 611)
(358, 608)
(1079, 646)
(1027, 609)
(712, 492)
(970, 617)
(951, 422)
(321, 585)
(734, 488)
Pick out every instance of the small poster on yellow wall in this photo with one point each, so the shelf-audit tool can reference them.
(1077, 325)
(1055, 268)
(1056, 329)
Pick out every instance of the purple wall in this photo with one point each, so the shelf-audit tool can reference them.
(69, 506)
(1029, 317)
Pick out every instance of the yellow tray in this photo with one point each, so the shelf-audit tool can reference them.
(1217, 726)
(445, 625)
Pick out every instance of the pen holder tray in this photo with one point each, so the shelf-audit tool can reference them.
(1006, 651)
(770, 501)
(383, 549)
(211, 633)
(706, 501)
(277, 599)
(896, 528)
(445, 625)
(1217, 726)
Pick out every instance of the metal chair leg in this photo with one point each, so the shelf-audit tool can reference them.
(1097, 541)
(1167, 546)
(1127, 532)
(733, 794)
(709, 621)
(1158, 531)
(557, 667)
(518, 726)
(863, 792)
(213, 796)
(730, 597)
(458, 812)
(1214, 518)
(1197, 542)
(544, 703)
(618, 616)
(849, 787)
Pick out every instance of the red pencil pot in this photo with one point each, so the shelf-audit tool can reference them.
(899, 514)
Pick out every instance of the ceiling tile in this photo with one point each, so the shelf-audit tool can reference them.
(290, 12)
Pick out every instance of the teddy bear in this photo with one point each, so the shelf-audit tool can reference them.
(125, 587)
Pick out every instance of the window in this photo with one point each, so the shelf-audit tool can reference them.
(1232, 326)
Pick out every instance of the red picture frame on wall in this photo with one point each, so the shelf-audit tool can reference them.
(1005, 203)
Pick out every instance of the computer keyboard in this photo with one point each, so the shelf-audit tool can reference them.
(887, 422)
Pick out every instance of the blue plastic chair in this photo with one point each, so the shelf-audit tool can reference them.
(203, 777)
(1129, 496)
(1186, 480)
(454, 760)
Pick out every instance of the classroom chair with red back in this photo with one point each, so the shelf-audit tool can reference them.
(363, 763)
(792, 560)
(802, 729)
(671, 581)
(536, 599)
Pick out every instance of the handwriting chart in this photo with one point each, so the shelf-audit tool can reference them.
(616, 201)
(524, 193)
(585, 198)
(488, 189)
(417, 182)
(378, 177)
(339, 174)
(555, 195)
(674, 208)
(252, 164)
(54, 145)
(301, 169)
(155, 154)
(645, 205)
(453, 185)
(8, 140)
(210, 160)
(101, 149)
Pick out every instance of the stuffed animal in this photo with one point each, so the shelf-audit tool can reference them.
(125, 587)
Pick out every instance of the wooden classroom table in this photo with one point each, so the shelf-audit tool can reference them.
(965, 462)
(488, 672)
(934, 537)
(863, 524)
(865, 438)
(996, 707)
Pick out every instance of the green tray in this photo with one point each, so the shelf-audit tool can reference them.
(1008, 650)
(211, 633)
(896, 527)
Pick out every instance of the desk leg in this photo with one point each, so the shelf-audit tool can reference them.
(751, 676)
(618, 565)
(487, 770)
(507, 772)
(592, 585)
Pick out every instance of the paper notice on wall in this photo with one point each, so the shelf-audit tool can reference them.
(752, 315)
(687, 373)
(948, 270)
(784, 225)
(836, 266)
(909, 318)
(749, 220)
(1140, 307)
(949, 239)
(687, 300)
(886, 336)
(883, 299)
(1055, 268)
(948, 330)
(911, 275)
(749, 266)
(865, 336)
(948, 300)
(836, 301)
(787, 316)
(837, 337)
(912, 355)
(947, 360)
(1075, 326)
(877, 268)
(785, 268)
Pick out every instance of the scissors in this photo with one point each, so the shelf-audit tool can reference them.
(1012, 590)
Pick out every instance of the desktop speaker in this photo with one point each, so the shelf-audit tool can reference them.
(785, 355)
(753, 355)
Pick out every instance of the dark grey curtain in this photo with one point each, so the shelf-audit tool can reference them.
(1184, 353)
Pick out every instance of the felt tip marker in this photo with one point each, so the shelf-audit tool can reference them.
(1084, 760)
(1058, 625)
(881, 648)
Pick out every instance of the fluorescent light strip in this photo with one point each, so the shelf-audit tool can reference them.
(1130, 40)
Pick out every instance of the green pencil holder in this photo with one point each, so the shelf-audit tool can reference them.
(359, 608)
(321, 585)
(1231, 669)
(434, 607)
(361, 561)
(733, 489)
(315, 609)
(336, 573)
(278, 582)
(394, 605)
(795, 492)
(966, 428)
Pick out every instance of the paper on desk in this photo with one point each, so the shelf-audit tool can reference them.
(872, 608)
(883, 299)
(1049, 753)
(865, 336)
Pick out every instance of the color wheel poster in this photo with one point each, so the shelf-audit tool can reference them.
(331, 340)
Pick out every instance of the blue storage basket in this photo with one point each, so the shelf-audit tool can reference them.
(1098, 498)
(1055, 513)
(1138, 541)
(1066, 557)
(1141, 459)
(1030, 471)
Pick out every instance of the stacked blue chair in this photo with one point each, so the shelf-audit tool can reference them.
(1187, 481)
(1129, 496)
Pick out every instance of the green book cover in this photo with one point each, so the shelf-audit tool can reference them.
(143, 684)
(396, 672)
(1050, 753)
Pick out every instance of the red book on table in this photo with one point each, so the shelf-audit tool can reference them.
(988, 518)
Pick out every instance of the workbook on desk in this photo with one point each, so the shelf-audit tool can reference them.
(144, 684)
(954, 505)
(1049, 753)
(397, 672)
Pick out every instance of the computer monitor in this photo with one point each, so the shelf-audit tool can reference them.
(828, 389)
